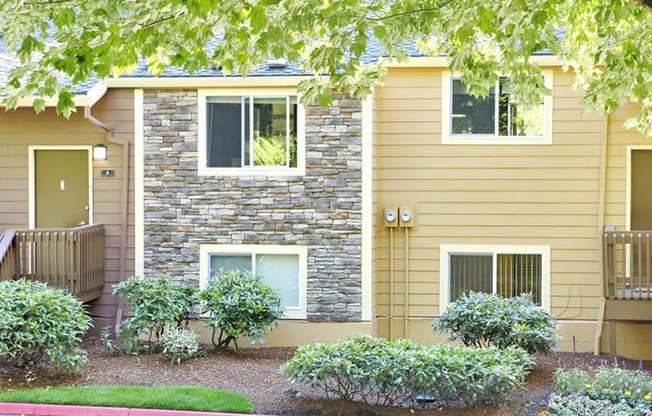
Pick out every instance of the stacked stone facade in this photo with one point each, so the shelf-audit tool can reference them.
(321, 210)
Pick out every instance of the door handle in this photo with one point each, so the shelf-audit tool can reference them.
(79, 224)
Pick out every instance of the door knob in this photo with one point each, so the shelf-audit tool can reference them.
(81, 223)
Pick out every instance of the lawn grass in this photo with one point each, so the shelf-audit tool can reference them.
(157, 397)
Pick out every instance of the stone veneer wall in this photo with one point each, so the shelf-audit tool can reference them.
(321, 210)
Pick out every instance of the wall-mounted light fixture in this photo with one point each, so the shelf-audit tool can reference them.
(99, 152)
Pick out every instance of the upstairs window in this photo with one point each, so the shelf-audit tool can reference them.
(493, 118)
(249, 131)
(250, 134)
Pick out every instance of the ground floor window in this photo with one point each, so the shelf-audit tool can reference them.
(282, 267)
(505, 270)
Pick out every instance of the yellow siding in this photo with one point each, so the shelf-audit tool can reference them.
(23, 128)
(374, 205)
(481, 194)
(616, 179)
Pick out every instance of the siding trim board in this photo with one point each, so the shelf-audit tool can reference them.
(139, 200)
(367, 208)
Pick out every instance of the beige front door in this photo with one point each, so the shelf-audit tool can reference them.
(641, 191)
(61, 188)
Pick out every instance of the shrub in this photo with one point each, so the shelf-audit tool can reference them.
(481, 319)
(123, 343)
(155, 303)
(180, 344)
(40, 324)
(240, 304)
(377, 371)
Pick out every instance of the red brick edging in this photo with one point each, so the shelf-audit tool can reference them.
(61, 410)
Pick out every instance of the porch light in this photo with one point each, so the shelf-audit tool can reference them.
(99, 152)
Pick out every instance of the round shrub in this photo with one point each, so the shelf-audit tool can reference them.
(377, 371)
(239, 304)
(40, 324)
(156, 302)
(480, 319)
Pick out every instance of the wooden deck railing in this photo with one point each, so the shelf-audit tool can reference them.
(627, 265)
(7, 255)
(71, 259)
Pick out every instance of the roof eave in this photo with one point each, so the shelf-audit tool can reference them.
(92, 96)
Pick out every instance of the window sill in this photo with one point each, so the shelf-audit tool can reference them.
(204, 171)
(295, 315)
(507, 140)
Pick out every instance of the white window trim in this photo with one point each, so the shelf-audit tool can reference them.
(445, 250)
(447, 138)
(206, 250)
(202, 169)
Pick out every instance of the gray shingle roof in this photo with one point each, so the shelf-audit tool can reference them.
(372, 54)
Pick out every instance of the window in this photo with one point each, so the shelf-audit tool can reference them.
(250, 134)
(494, 118)
(282, 267)
(507, 271)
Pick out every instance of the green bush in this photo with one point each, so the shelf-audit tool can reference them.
(40, 324)
(614, 384)
(180, 344)
(123, 343)
(239, 304)
(378, 371)
(480, 319)
(156, 302)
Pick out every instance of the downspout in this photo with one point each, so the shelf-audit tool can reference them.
(391, 283)
(601, 208)
(124, 211)
(406, 305)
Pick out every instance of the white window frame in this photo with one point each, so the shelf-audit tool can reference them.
(446, 109)
(445, 250)
(207, 250)
(202, 147)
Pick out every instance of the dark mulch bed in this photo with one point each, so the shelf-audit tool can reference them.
(255, 372)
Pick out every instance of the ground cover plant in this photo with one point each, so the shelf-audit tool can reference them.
(41, 325)
(180, 344)
(159, 397)
(483, 319)
(610, 391)
(402, 372)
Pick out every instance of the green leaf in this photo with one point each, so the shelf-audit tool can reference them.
(258, 19)
(39, 105)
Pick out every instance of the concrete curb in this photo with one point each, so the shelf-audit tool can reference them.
(31, 409)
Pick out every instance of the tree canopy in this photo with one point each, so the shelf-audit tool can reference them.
(607, 43)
